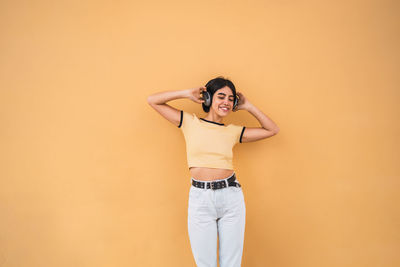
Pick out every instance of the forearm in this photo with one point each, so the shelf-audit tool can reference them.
(163, 97)
(264, 120)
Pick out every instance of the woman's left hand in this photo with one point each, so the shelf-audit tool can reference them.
(243, 102)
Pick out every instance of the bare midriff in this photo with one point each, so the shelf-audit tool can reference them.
(209, 174)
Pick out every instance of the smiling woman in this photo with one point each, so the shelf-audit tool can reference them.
(226, 90)
(230, 97)
(209, 144)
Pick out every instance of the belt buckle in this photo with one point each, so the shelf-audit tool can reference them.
(213, 185)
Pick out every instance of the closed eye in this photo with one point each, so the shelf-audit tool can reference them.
(223, 98)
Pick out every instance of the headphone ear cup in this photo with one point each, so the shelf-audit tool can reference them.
(235, 103)
(207, 99)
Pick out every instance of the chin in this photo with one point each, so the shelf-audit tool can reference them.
(222, 114)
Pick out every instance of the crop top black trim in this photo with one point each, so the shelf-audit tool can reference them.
(222, 124)
(240, 140)
(180, 123)
(212, 121)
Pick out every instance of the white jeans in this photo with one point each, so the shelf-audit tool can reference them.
(213, 213)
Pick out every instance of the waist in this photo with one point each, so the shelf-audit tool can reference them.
(206, 174)
(213, 178)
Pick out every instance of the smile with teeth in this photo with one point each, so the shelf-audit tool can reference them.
(224, 108)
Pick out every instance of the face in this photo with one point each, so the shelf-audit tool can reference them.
(222, 102)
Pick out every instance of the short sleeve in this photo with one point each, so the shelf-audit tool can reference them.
(238, 132)
(186, 120)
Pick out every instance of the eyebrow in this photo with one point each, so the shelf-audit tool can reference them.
(223, 94)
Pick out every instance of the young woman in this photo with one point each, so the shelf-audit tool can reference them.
(216, 207)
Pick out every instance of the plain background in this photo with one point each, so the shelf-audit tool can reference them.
(91, 175)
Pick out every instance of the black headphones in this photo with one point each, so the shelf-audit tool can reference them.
(208, 99)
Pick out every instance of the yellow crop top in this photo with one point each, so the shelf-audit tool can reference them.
(209, 144)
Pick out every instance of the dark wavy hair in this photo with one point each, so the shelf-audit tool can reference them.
(216, 84)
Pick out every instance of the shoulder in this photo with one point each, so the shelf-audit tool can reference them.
(186, 118)
(237, 130)
(235, 127)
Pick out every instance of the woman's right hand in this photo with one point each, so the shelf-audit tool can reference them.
(196, 94)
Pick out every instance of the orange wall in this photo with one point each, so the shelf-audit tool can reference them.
(90, 175)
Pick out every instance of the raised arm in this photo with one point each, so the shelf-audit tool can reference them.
(158, 102)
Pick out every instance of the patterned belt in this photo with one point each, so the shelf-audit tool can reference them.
(219, 184)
